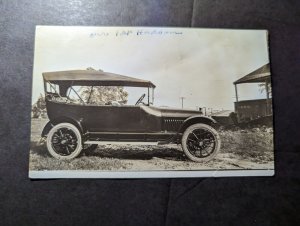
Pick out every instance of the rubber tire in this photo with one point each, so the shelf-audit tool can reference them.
(49, 143)
(200, 126)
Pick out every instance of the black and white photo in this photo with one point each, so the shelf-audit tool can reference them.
(140, 102)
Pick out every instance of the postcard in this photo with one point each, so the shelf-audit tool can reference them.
(150, 102)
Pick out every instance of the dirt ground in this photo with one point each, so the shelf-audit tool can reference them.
(240, 149)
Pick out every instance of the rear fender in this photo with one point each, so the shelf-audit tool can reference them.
(46, 129)
(56, 121)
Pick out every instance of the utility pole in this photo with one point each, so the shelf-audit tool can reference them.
(182, 98)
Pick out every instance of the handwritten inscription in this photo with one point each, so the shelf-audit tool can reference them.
(120, 33)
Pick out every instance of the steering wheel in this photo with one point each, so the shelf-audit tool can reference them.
(140, 99)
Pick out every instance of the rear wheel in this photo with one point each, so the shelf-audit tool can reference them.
(64, 141)
(200, 142)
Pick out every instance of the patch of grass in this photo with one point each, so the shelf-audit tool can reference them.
(256, 145)
(83, 163)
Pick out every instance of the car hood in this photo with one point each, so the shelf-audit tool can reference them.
(170, 112)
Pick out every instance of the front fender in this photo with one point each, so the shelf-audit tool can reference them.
(197, 119)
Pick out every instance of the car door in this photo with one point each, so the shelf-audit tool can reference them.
(108, 118)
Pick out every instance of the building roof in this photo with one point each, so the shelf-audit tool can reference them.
(261, 74)
(94, 78)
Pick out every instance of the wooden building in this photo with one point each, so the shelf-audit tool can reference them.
(248, 110)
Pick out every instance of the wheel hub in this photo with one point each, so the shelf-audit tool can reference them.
(63, 141)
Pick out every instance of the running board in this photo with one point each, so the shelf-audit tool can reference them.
(121, 142)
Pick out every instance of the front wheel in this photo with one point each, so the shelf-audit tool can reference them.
(200, 142)
(64, 141)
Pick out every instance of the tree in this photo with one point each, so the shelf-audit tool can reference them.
(103, 94)
(262, 87)
(39, 107)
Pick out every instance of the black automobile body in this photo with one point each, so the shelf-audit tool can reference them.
(74, 126)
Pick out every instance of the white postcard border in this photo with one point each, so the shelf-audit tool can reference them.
(34, 174)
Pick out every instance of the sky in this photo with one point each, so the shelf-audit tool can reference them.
(198, 64)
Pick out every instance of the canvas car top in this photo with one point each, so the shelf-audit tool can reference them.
(89, 77)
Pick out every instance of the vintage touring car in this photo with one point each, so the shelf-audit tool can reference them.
(78, 125)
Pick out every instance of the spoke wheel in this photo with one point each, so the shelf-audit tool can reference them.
(200, 142)
(64, 141)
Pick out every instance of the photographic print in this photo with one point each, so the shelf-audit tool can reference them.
(146, 102)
